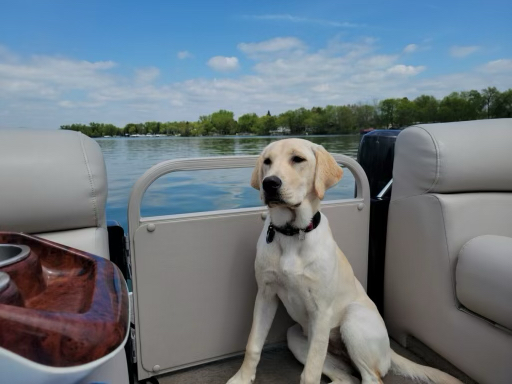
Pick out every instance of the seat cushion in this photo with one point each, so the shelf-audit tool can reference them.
(52, 180)
(484, 278)
(91, 240)
(469, 156)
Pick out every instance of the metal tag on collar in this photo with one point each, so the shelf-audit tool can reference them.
(302, 234)
(271, 232)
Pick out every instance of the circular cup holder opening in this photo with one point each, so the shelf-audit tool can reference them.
(4, 281)
(12, 253)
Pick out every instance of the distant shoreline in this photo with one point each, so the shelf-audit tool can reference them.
(227, 136)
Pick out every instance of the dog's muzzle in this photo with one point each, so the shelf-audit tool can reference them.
(271, 186)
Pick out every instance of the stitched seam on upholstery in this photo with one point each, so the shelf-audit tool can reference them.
(452, 273)
(438, 161)
(438, 167)
(96, 242)
(91, 182)
(461, 252)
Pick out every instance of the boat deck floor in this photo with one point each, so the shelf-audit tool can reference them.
(279, 366)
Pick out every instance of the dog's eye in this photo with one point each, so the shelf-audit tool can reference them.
(297, 159)
(267, 161)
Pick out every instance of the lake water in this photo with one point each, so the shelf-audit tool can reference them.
(197, 191)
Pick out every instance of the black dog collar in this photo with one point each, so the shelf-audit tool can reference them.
(290, 230)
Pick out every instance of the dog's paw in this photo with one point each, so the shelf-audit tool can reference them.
(304, 379)
(240, 378)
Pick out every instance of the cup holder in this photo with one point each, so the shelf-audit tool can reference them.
(4, 281)
(12, 253)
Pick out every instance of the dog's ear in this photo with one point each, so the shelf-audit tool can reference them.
(256, 174)
(327, 172)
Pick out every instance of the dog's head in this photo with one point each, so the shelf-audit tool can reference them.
(291, 170)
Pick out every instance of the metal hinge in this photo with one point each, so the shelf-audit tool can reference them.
(127, 244)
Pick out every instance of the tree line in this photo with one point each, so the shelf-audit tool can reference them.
(389, 113)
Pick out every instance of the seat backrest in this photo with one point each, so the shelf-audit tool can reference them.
(451, 183)
(462, 157)
(457, 175)
(51, 182)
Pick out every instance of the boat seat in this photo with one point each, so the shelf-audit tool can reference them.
(449, 245)
(54, 185)
(483, 274)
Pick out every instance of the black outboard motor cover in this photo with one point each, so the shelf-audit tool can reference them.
(376, 154)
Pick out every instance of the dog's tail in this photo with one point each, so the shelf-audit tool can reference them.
(404, 367)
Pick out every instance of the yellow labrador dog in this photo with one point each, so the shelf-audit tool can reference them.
(299, 263)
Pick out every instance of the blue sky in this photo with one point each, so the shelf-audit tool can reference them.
(129, 61)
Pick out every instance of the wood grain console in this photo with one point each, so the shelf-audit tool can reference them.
(62, 307)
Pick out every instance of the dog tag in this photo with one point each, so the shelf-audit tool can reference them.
(271, 232)
(302, 234)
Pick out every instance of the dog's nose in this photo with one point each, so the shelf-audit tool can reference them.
(271, 184)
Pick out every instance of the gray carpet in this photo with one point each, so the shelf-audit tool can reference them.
(278, 365)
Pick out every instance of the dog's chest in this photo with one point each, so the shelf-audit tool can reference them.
(295, 280)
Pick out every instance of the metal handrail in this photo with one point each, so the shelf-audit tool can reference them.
(226, 162)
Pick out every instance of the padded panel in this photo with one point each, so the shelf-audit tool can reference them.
(483, 275)
(195, 284)
(425, 235)
(91, 240)
(468, 215)
(465, 156)
(51, 181)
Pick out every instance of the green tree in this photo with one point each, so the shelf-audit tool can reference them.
(294, 120)
(316, 121)
(346, 119)
(388, 109)
(223, 122)
(490, 95)
(130, 128)
(426, 109)
(405, 113)
(206, 124)
(266, 124)
(453, 108)
(502, 107)
(364, 115)
(152, 127)
(474, 105)
(248, 123)
(457, 106)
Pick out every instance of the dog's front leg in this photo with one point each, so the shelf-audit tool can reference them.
(264, 312)
(318, 337)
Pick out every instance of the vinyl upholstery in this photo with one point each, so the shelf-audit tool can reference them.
(54, 184)
(452, 183)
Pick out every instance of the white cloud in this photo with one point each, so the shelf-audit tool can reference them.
(405, 70)
(498, 66)
(460, 51)
(48, 91)
(273, 45)
(184, 55)
(223, 63)
(147, 75)
(6, 55)
(410, 48)
(321, 88)
(298, 19)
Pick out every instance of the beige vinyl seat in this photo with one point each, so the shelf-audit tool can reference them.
(54, 185)
(448, 275)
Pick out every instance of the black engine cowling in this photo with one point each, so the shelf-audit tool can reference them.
(376, 154)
